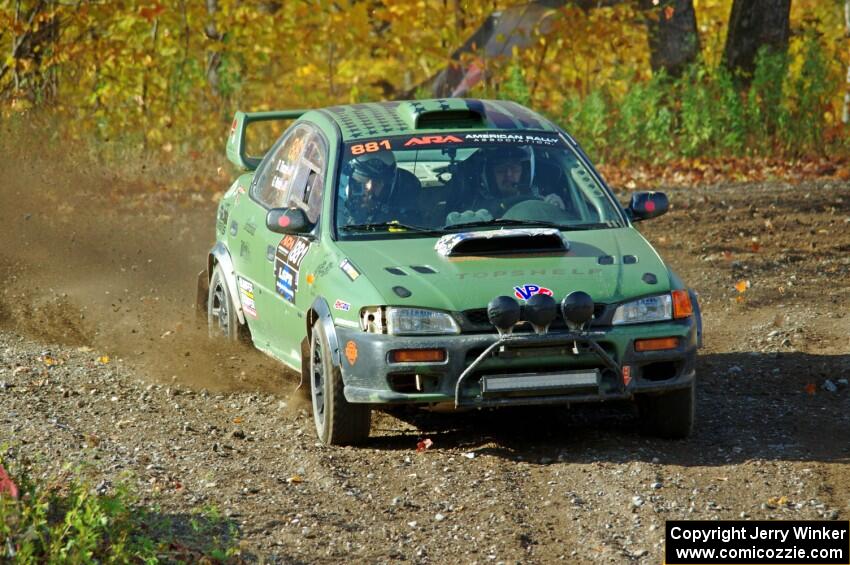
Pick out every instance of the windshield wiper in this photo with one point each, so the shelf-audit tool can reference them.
(597, 226)
(388, 226)
(534, 223)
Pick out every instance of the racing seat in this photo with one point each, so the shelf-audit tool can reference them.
(405, 197)
(549, 178)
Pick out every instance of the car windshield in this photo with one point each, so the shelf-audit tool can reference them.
(427, 185)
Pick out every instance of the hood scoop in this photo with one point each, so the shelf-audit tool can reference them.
(502, 242)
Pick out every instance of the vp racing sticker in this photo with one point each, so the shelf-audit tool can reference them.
(246, 297)
(290, 252)
(526, 291)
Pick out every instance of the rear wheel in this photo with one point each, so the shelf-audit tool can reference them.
(338, 422)
(221, 312)
(668, 415)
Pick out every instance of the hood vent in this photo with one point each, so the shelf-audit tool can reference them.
(502, 242)
(423, 269)
(395, 271)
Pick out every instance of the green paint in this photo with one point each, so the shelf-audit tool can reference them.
(458, 283)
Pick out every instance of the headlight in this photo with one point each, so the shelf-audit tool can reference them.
(407, 321)
(650, 309)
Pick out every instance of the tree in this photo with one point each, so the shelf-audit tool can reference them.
(672, 31)
(845, 113)
(214, 53)
(754, 24)
(671, 27)
(35, 30)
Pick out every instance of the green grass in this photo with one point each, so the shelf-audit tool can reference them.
(709, 112)
(68, 521)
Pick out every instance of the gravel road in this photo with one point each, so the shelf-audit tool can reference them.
(102, 364)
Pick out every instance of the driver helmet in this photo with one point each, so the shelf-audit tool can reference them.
(367, 170)
(508, 169)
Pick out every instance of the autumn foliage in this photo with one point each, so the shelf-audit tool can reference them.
(167, 75)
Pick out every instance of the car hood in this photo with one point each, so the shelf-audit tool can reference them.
(611, 265)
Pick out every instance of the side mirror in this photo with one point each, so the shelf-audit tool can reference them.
(646, 205)
(288, 220)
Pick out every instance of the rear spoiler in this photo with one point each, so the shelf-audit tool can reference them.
(236, 139)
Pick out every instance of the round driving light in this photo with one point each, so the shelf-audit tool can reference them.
(503, 312)
(539, 311)
(577, 308)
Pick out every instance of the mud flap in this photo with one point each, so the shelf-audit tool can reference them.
(697, 316)
(305, 366)
(203, 295)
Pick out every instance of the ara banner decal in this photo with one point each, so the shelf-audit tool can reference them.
(526, 291)
(290, 252)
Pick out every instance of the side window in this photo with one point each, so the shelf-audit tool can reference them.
(271, 188)
(309, 178)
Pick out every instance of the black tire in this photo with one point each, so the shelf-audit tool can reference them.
(221, 311)
(338, 422)
(668, 415)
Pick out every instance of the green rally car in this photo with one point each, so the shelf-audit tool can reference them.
(450, 253)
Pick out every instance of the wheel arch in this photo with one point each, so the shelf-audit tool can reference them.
(319, 310)
(219, 255)
(677, 283)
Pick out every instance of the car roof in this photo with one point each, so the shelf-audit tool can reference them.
(377, 119)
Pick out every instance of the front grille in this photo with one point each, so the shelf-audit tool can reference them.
(475, 321)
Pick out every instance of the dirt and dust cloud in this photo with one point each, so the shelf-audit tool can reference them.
(104, 254)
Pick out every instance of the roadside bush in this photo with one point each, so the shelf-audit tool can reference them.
(643, 131)
(708, 113)
(729, 116)
(766, 108)
(698, 127)
(515, 86)
(809, 105)
(587, 120)
(72, 522)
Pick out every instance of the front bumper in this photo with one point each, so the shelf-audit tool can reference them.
(457, 381)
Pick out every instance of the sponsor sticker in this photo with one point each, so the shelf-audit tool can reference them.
(429, 139)
(246, 297)
(526, 291)
(349, 269)
(288, 257)
(239, 192)
(342, 305)
(522, 138)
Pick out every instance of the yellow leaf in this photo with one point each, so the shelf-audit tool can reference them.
(742, 286)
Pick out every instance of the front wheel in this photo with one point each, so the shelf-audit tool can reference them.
(670, 414)
(221, 312)
(338, 422)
